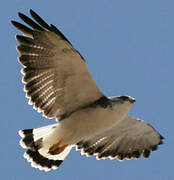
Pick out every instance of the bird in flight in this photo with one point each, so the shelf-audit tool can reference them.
(58, 84)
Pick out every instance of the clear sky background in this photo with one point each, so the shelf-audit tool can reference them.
(129, 47)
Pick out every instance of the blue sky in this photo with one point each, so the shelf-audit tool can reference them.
(129, 47)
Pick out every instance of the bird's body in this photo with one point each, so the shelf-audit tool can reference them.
(89, 121)
(59, 85)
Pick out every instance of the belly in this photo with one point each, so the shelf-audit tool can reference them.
(88, 122)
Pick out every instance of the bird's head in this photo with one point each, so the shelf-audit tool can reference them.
(122, 104)
(122, 99)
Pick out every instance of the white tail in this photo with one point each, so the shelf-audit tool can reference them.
(38, 153)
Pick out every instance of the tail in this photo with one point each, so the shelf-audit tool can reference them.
(41, 155)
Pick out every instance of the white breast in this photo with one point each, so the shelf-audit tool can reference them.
(90, 121)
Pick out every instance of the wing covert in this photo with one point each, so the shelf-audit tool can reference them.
(56, 76)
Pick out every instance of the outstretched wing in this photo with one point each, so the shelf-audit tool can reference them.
(127, 139)
(56, 75)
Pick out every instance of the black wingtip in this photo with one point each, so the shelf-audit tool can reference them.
(146, 153)
(57, 31)
(30, 22)
(23, 16)
(13, 22)
(39, 20)
(20, 15)
(31, 11)
(162, 137)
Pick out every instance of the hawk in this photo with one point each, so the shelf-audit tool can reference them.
(58, 84)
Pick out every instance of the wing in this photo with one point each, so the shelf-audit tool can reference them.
(127, 139)
(56, 75)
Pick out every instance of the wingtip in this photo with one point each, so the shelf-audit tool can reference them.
(162, 137)
(13, 22)
(20, 14)
(32, 12)
(17, 37)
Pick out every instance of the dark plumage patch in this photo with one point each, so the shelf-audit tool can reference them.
(86, 145)
(80, 144)
(102, 102)
(39, 20)
(30, 22)
(146, 153)
(80, 55)
(63, 116)
(22, 28)
(135, 154)
(43, 161)
(99, 149)
(28, 140)
(121, 156)
(154, 148)
(128, 155)
(57, 31)
(27, 131)
(25, 40)
(104, 154)
(126, 98)
(39, 27)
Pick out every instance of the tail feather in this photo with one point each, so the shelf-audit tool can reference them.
(41, 162)
(30, 137)
(38, 153)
